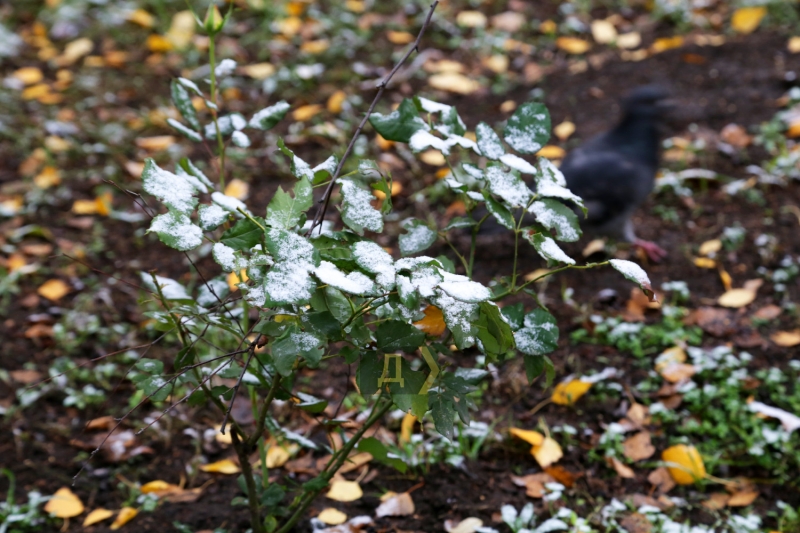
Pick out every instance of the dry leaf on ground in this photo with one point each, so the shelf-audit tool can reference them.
(399, 505)
(332, 516)
(684, 464)
(621, 468)
(638, 447)
(342, 490)
(64, 504)
(125, 515)
(97, 516)
(225, 466)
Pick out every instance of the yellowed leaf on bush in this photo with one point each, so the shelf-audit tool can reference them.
(29, 75)
(306, 112)
(547, 453)
(398, 505)
(181, 29)
(742, 498)
(564, 130)
(142, 18)
(345, 491)
(786, 339)
(64, 504)
(567, 393)
(747, 19)
(155, 143)
(454, 83)
(332, 516)
(399, 37)
(666, 43)
(603, 31)
(684, 464)
(630, 40)
(793, 45)
(573, 45)
(433, 323)
(551, 151)
(238, 189)
(53, 289)
(97, 516)
(259, 71)
(335, 101)
(710, 247)
(736, 298)
(125, 515)
(471, 19)
(528, 435)
(234, 280)
(407, 427)
(48, 177)
(225, 466)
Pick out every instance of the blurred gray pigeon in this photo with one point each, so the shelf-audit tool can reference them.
(615, 171)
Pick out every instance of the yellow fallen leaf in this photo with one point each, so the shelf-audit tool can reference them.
(399, 37)
(573, 45)
(508, 106)
(156, 486)
(551, 151)
(398, 505)
(793, 45)
(666, 43)
(142, 18)
(746, 19)
(547, 453)
(332, 516)
(97, 516)
(677, 372)
(786, 339)
(548, 26)
(345, 491)
(34, 92)
(568, 393)
(564, 130)
(225, 466)
(382, 143)
(736, 298)
(125, 515)
(74, 51)
(53, 289)
(234, 280)
(56, 144)
(238, 189)
(710, 247)
(594, 246)
(259, 71)
(497, 63)
(315, 47)
(29, 75)
(536, 274)
(471, 19)
(158, 44)
(64, 504)
(335, 101)
(794, 130)
(356, 6)
(433, 323)
(726, 279)
(289, 26)
(603, 31)
(155, 143)
(670, 356)
(433, 158)
(306, 112)
(181, 29)
(704, 262)
(397, 188)
(630, 40)
(355, 461)
(48, 177)
(12, 206)
(277, 456)
(684, 464)
(15, 262)
(407, 427)
(528, 435)
(296, 9)
(454, 83)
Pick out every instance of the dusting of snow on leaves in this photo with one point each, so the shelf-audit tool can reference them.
(227, 258)
(548, 249)
(185, 130)
(489, 142)
(551, 189)
(305, 341)
(194, 181)
(534, 337)
(552, 172)
(177, 231)
(376, 260)
(301, 169)
(418, 237)
(410, 263)
(425, 279)
(211, 216)
(517, 163)
(429, 106)
(171, 289)
(289, 280)
(422, 139)
(508, 187)
(173, 191)
(212, 292)
(632, 271)
(192, 86)
(475, 195)
(353, 283)
(551, 219)
(473, 171)
(329, 166)
(268, 114)
(524, 139)
(240, 139)
(357, 210)
(465, 290)
(789, 421)
(229, 203)
(457, 315)
(225, 68)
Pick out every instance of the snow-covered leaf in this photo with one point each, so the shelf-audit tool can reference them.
(357, 211)
(548, 248)
(419, 237)
(174, 192)
(508, 187)
(177, 231)
(269, 116)
(528, 129)
(636, 274)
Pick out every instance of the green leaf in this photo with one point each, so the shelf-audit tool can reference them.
(300, 169)
(499, 211)
(183, 102)
(419, 405)
(156, 388)
(460, 318)
(150, 366)
(197, 398)
(311, 404)
(174, 191)
(443, 412)
(549, 372)
(350, 354)
(380, 453)
(185, 357)
(534, 366)
(554, 215)
(493, 330)
(370, 370)
(323, 324)
(419, 237)
(453, 122)
(528, 129)
(243, 235)
(547, 247)
(636, 274)
(400, 124)
(460, 222)
(539, 334)
(177, 231)
(269, 116)
(394, 335)
(293, 343)
(273, 495)
(514, 314)
(386, 188)
(338, 305)
(357, 211)
(508, 186)
(284, 211)
(489, 142)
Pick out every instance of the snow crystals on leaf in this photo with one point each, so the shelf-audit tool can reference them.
(357, 211)
(489, 142)
(353, 283)
(458, 316)
(269, 116)
(566, 228)
(171, 289)
(177, 231)
(228, 258)
(517, 163)
(211, 216)
(636, 274)
(548, 249)
(288, 281)
(184, 130)
(229, 203)
(376, 260)
(173, 190)
(463, 289)
(508, 187)
(240, 139)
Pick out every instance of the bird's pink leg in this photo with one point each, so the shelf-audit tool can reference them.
(654, 252)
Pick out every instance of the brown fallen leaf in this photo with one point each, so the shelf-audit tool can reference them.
(736, 136)
(786, 339)
(768, 312)
(742, 498)
(26, 377)
(636, 523)
(533, 483)
(716, 501)
(562, 475)
(677, 372)
(661, 479)
(712, 320)
(399, 505)
(638, 447)
(621, 468)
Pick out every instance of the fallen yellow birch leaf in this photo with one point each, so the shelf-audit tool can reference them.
(96, 516)
(547, 453)
(568, 393)
(684, 464)
(64, 504)
(746, 19)
(125, 515)
(332, 517)
(345, 491)
(53, 289)
(225, 466)
(531, 437)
